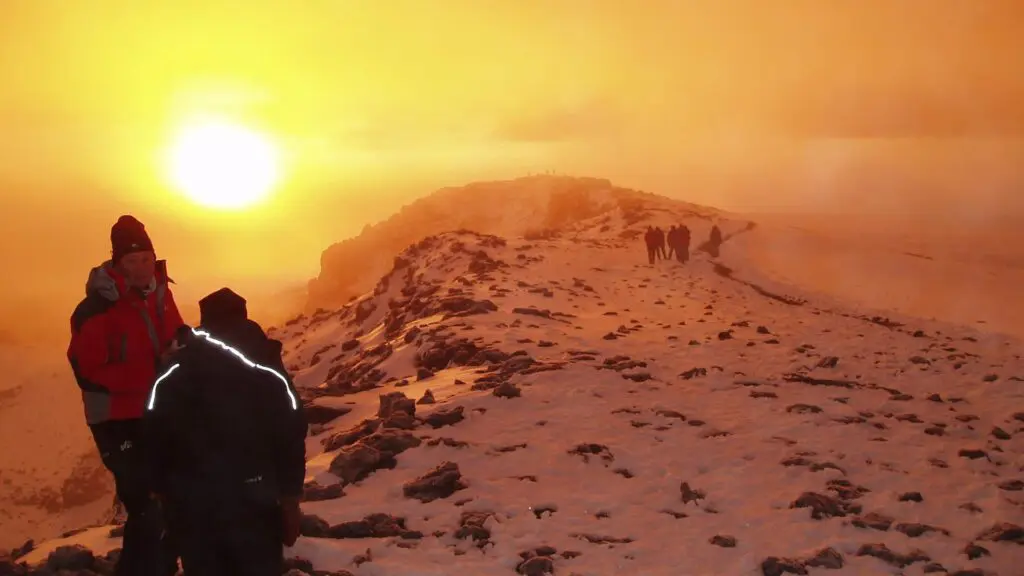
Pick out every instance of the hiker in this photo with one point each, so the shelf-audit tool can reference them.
(651, 240)
(714, 241)
(226, 433)
(660, 238)
(683, 244)
(672, 239)
(119, 334)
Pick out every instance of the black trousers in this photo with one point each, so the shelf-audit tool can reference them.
(683, 253)
(227, 538)
(146, 549)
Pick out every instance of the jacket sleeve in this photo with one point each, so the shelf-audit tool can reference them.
(89, 356)
(172, 316)
(291, 462)
(164, 413)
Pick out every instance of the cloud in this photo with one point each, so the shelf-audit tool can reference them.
(915, 113)
(562, 124)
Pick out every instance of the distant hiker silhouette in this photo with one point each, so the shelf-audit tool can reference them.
(660, 239)
(651, 240)
(682, 245)
(672, 239)
(714, 242)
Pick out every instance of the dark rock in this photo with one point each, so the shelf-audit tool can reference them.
(318, 414)
(999, 433)
(671, 414)
(392, 441)
(692, 373)
(351, 436)
(689, 494)
(471, 525)
(441, 482)
(9, 568)
(804, 409)
(723, 541)
(845, 489)
(882, 552)
(823, 506)
(507, 390)
(24, 549)
(971, 507)
(314, 492)
(297, 563)
(428, 398)
(446, 416)
(312, 526)
(395, 402)
(911, 497)
(400, 421)
(826, 558)
(1003, 532)
(588, 450)
(913, 529)
(355, 462)
(74, 557)
(537, 566)
(773, 566)
(828, 362)
(874, 521)
(973, 551)
(372, 526)
(973, 454)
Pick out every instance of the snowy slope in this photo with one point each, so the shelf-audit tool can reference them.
(957, 272)
(524, 206)
(599, 416)
(51, 475)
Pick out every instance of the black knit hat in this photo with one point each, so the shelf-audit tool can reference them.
(128, 235)
(222, 307)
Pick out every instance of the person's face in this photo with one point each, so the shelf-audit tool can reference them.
(139, 268)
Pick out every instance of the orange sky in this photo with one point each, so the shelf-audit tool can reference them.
(739, 104)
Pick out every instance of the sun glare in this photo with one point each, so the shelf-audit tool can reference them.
(224, 166)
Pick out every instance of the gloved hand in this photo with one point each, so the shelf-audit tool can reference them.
(291, 518)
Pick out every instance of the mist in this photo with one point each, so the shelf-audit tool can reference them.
(862, 108)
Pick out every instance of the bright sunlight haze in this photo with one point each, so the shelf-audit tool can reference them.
(222, 165)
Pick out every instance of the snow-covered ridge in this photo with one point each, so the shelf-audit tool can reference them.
(501, 405)
(528, 206)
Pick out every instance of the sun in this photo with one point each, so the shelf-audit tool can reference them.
(223, 165)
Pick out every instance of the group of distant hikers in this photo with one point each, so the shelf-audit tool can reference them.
(678, 242)
(202, 428)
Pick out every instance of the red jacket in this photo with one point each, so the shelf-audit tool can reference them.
(117, 335)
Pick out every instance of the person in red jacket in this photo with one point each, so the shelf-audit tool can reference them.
(121, 333)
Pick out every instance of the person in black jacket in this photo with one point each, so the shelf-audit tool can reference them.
(226, 440)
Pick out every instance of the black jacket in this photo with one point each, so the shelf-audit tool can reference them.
(224, 423)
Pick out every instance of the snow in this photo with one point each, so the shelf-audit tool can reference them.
(51, 477)
(740, 420)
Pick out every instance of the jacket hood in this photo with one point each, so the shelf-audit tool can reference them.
(105, 282)
(248, 337)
